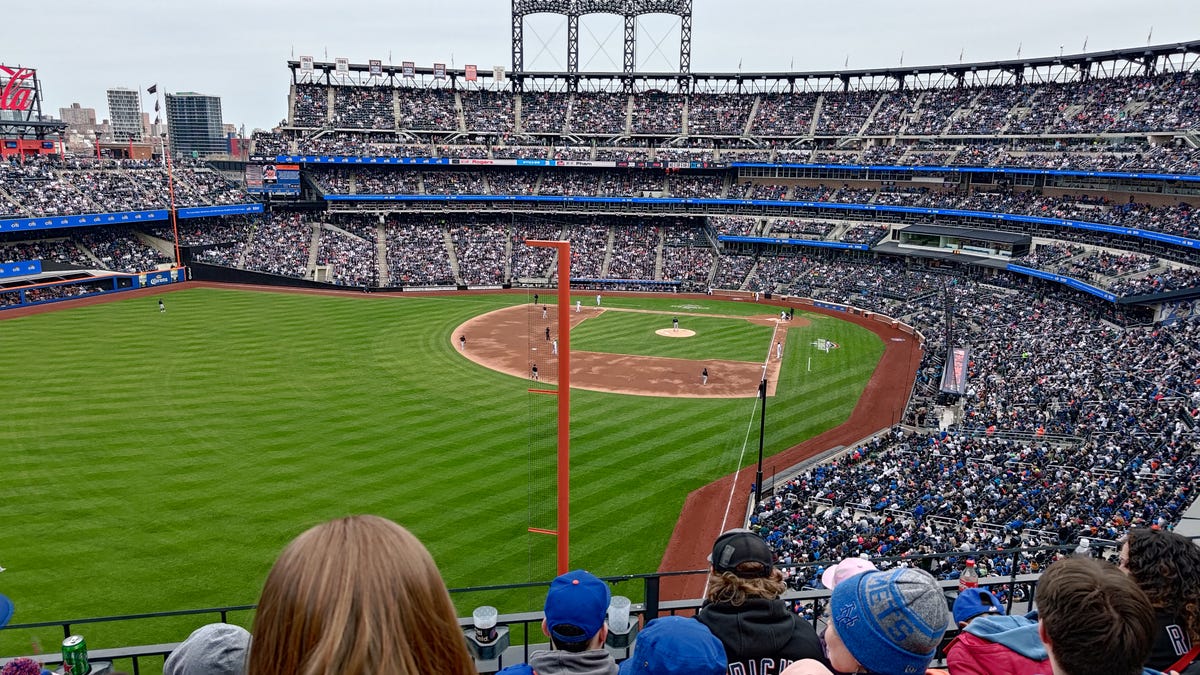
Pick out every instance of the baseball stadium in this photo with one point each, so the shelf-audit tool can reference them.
(550, 321)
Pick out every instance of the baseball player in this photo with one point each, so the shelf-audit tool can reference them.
(578, 306)
(704, 376)
(674, 323)
(533, 375)
(554, 347)
(597, 299)
(778, 350)
(547, 332)
(543, 311)
(161, 306)
(462, 343)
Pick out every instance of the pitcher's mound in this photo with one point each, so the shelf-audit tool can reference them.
(675, 332)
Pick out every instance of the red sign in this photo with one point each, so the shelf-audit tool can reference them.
(471, 73)
(18, 91)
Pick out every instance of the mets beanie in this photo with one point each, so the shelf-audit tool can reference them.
(891, 622)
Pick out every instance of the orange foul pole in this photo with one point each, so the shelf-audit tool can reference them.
(564, 400)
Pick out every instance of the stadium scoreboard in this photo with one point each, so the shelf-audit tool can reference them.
(273, 178)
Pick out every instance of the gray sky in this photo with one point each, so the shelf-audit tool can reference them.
(236, 49)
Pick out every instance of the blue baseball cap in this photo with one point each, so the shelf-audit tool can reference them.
(674, 645)
(6, 610)
(971, 602)
(577, 599)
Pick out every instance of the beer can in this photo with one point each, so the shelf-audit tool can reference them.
(74, 651)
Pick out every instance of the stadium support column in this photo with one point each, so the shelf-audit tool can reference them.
(762, 432)
(518, 38)
(630, 59)
(573, 42)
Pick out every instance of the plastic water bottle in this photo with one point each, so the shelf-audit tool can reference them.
(969, 577)
(1084, 549)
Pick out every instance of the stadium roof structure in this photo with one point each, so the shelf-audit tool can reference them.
(1133, 61)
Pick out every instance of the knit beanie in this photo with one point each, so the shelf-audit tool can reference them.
(891, 622)
(214, 649)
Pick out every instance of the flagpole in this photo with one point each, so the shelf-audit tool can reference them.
(170, 177)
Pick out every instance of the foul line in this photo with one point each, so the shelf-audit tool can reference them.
(742, 454)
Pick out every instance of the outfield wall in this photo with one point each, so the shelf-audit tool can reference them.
(61, 291)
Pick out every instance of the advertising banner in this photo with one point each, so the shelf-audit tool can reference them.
(20, 269)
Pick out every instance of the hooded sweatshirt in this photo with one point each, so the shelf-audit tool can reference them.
(998, 644)
(555, 662)
(761, 636)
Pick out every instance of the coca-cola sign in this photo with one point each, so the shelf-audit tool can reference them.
(18, 90)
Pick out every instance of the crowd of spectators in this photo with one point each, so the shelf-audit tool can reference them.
(119, 249)
(634, 251)
(597, 113)
(718, 114)
(16, 247)
(349, 257)
(54, 186)
(1069, 428)
(417, 254)
(427, 110)
(311, 106)
(363, 108)
(543, 112)
(488, 111)
(280, 245)
(533, 262)
(479, 245)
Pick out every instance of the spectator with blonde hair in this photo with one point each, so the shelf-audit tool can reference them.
(743, 609)
(356, 596)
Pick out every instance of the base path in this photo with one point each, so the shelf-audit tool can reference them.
(512, 339)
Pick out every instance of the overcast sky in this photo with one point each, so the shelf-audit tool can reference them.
(236, 49)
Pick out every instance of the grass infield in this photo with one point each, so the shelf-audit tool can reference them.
(161, 461)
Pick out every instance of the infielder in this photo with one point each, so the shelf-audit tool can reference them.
(554, 347)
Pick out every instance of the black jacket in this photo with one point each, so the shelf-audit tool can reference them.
(761, 631)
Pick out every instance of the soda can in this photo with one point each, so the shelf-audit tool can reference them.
(75, 661)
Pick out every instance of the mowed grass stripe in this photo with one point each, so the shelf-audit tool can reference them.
(161, 461)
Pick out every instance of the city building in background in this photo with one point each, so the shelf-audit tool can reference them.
(125, 115)
(194, 124)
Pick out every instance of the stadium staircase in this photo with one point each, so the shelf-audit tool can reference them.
(396, 113)
(381, 259)
(8, 196)
(330, 105)
(812, 126)
(750, 119)
(314, 249)
(658, 257)
(508, 255)
(518, 124)
(608, 249)
(628, 116)
(458, 111)
(88, 252)
(683, 117)
(449, 243)
(870, 118)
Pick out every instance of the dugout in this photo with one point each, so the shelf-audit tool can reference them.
(990, 243)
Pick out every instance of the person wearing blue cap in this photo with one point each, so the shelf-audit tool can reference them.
(992, 642)
(673, 645)
(575, 609)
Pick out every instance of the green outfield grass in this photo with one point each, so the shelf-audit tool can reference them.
(161, 461)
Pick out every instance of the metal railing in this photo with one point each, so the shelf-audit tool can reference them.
(525, 627)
